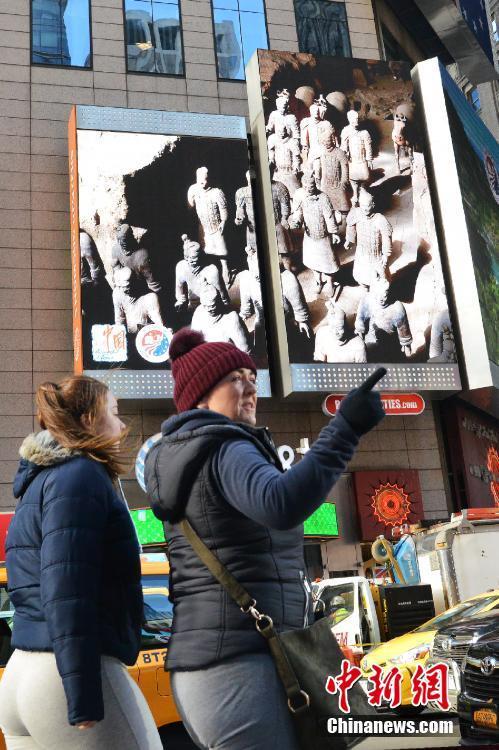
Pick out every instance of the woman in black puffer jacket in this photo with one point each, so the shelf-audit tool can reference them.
(74, 579)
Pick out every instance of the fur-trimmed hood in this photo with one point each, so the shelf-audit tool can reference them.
(38, 451)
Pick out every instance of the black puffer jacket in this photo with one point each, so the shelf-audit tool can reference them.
(252, 521)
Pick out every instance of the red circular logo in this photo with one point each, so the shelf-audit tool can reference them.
(391, 505)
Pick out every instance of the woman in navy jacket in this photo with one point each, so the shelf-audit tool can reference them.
(74, 579)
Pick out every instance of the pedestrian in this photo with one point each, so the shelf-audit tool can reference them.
(215, 468)
(74, 579)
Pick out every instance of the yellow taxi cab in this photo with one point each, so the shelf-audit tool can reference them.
(409, 650)
(148, 671)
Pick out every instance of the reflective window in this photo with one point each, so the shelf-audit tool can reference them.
(154, 37)
(322, 28)
(338, 601)
(240, 29)
(60, 33)
(158, 616)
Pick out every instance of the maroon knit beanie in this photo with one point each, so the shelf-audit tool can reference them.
(198, 365)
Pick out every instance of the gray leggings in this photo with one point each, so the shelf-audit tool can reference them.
(33, 709)
(239, 704)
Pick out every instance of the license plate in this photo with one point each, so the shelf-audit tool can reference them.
(485, 717)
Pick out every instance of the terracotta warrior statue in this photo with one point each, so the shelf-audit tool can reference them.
(217, 323)
(357, 145)
(126, 253)
(331, 170)
(193, 273)
(90, 267)
(244, 211)
(250, 292)
(281, 115)
(282, 209)
(331, 341)
(315, 213)
(401, 133)
(133, 312)
(211, 208)
(371, 233)
(296, 310)
(309, 129)
(284, 143)
(379, 323)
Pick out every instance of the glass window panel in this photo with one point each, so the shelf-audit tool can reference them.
(322, 28)
(254, 34)
(140, 37)
(167, 39)
(225, 5)
(61, 32)
(228, 45)
(254, 6)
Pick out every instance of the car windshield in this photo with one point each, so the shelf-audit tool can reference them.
(460, 612)
(158, 616)
(338, 601)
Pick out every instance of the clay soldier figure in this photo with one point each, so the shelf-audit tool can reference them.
(133, 312)
(309, 130)
(357, 145)
(380, 324)
(282, 116)
(282, 209)
(245, 213)
(211, 208)
(296, 315)
(250, 292)
(284, 154)
(315, 213)
(127, 254)
(331, 170)
(442, 346)
(193, 273)
(90, 267)
(372, 234)
(401, 133)
(284, 143)
(331, 341)
(218, 324)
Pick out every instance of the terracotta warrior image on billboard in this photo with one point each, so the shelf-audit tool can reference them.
(167, 239)
(352, 215)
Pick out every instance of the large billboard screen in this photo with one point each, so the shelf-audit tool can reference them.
(349, 225)
(165, 227)
(465, 168)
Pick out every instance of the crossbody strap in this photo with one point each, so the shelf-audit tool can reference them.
(298, 700)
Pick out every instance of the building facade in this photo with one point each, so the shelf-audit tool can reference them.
(185, 56)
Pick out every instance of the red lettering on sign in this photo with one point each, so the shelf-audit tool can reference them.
(393, 404)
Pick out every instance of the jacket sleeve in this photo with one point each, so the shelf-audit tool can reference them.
(74, 517)
(279, 500)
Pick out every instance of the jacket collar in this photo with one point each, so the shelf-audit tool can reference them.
(39, 451)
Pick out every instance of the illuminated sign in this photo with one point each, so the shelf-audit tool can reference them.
(352, 256)
(162, 236)
(322, 523)
(394, 404)
(387, 499)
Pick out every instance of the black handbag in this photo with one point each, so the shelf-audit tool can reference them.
(304, 660)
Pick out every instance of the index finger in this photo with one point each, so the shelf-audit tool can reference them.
(371, 381)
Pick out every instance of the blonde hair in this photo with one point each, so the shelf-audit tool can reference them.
(60, 408)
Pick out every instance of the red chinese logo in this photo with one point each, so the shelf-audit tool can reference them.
(341, 684)
(391, 505)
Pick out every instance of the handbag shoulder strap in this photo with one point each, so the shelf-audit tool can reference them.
(298, 700)
(237, 592)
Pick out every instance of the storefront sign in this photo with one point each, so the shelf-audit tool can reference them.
(163, 236)
(396, 404)
(386, 499)
(354, 273)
